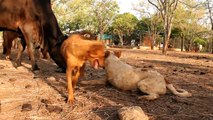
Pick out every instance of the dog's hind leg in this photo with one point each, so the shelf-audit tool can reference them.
(82, 75)
(151, 96)
(145, 87)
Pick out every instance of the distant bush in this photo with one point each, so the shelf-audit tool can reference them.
(200, 41)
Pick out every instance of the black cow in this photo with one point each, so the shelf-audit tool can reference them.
(8, 38)
(36, 22)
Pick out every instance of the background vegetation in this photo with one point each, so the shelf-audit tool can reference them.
(184, 24)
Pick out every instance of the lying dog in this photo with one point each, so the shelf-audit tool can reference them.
(125, 77)
(76, 51)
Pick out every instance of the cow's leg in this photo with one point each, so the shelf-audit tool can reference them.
(4, 44)
(44, 52)
(27, 31)
(15, 43)
(4, 47)
(7, 44)
(21, 48)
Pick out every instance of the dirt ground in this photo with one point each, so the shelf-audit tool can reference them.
(42, 95)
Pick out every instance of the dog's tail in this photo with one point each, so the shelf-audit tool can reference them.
(178, 92)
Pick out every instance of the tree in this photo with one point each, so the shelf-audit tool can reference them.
(151, 19)
(187, 18)
(124, 24)
(103, 12)
(209, 7)
(209, 4)
(74, 14)
(166, 9)
(153, 27)
(93, 15)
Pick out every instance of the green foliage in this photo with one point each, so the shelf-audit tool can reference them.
(187, 23)
(72, 14)
(176, 32)
(200, 41)
(101, 16)
(124, 24)
(104, 12)
(143, 25)
(90, 15)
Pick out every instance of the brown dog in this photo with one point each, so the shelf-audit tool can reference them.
(76, 51)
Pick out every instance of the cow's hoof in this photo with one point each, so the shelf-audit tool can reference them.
(4, 51)
(7, 58)
(35, 67)
(60, 70)
(46, 56)
(17, 64)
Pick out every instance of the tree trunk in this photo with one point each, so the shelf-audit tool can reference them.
(165, 36)
(182, 42)
(166, 8)
(168, 34)
(212, 46)
(166, 42)
(166, 20)
(154, 34)
(212, 39)
(121, 39)
(211, 20)
(167, 30)
(101, 32)
(140, 40)
(152, 42)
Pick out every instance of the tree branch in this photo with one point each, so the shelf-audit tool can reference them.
(154, 5)
(210, 13)
(183, 2)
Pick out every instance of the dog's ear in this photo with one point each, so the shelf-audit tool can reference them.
(117, 53)
(106, 54)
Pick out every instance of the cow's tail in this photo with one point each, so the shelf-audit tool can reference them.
(178, 92)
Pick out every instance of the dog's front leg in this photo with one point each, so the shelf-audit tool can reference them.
(69, 84)
(75, 78)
